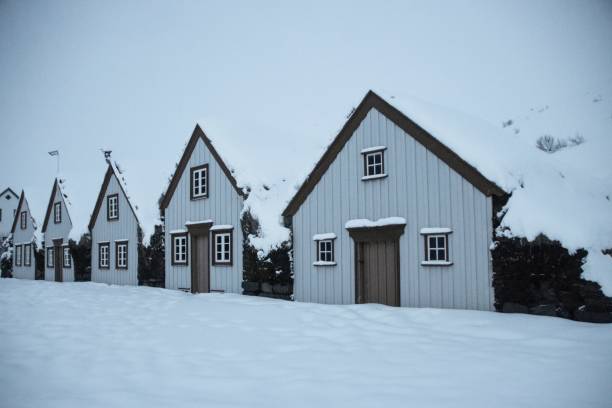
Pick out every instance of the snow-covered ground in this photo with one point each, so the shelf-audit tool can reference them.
(93, 345)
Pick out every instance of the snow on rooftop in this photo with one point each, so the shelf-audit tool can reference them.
(564, 195)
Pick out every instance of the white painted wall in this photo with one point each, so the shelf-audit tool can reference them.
(58, 231)
(126, 227)
(223, 206)
(419, 187)
(8, 204)
(21, 237)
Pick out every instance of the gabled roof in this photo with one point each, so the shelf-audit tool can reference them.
(18, 212)
(56, 186)
(198, 133)
(373, 101)
(110, 171)
(8, 189)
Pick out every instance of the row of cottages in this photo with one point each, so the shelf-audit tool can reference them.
(202, 209)
(391, 215)
(115, 230)
(24, 241)
(56, 230)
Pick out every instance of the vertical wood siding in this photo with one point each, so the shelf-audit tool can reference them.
(25, 236)
(419, 187)
(7, 206)
(57, 231)
(110, 231)
(223, 206)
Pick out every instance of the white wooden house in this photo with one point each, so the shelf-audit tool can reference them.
(8, 209)
(56, 229)
(115, 233)
(24, 241)
(390, 215)
(202, 210)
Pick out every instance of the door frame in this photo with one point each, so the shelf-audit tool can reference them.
(363, 235)
(198, 230)
(58, 261)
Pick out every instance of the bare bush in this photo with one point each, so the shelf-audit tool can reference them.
(550, 144)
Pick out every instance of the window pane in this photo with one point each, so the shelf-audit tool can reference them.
(432, 242)
(441, 256)
(370, 159)
(440, 242)
(432, 255)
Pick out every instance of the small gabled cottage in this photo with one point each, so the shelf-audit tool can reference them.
(202, 209)
(115, 233)
(24, 241)
(56, 229)
(8, 209)
(391, 215)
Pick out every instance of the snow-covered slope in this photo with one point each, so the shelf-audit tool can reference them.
(92, 345)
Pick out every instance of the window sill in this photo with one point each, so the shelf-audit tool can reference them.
(324, 263)
(199, 197)
(436, 263)
(374, 177)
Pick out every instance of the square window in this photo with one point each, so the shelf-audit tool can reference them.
(374, 163)
(199, 182)
(325, 250)
(436, 248)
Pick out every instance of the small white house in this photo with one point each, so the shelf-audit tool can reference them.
(56, 229)
(391, 215)
(8, 209)
(115, 232)
(24, 241)
(202, 210)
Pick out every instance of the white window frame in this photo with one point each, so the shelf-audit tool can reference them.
(179, 251)
(18, 255)
(122, 254)
(66, 257)
(200, 189)
(113, 206)
(27, 255)
(57, 215)
(325, 252)
(23, 220)
(102, 259)
(50, 257)
(442, 252)
(370, 169)
(223, 240)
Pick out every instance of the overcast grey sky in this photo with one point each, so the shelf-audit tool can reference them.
(267, 80)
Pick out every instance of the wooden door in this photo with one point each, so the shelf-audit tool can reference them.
(200, 273)
(57, 261)
(378, 272)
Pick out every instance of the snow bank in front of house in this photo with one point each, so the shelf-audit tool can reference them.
(565, 195)
(147, 347)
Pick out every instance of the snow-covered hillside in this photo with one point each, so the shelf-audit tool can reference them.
(91, 345)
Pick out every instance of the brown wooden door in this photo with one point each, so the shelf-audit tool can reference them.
(378, 272)
(200, 273)
(57, 261)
